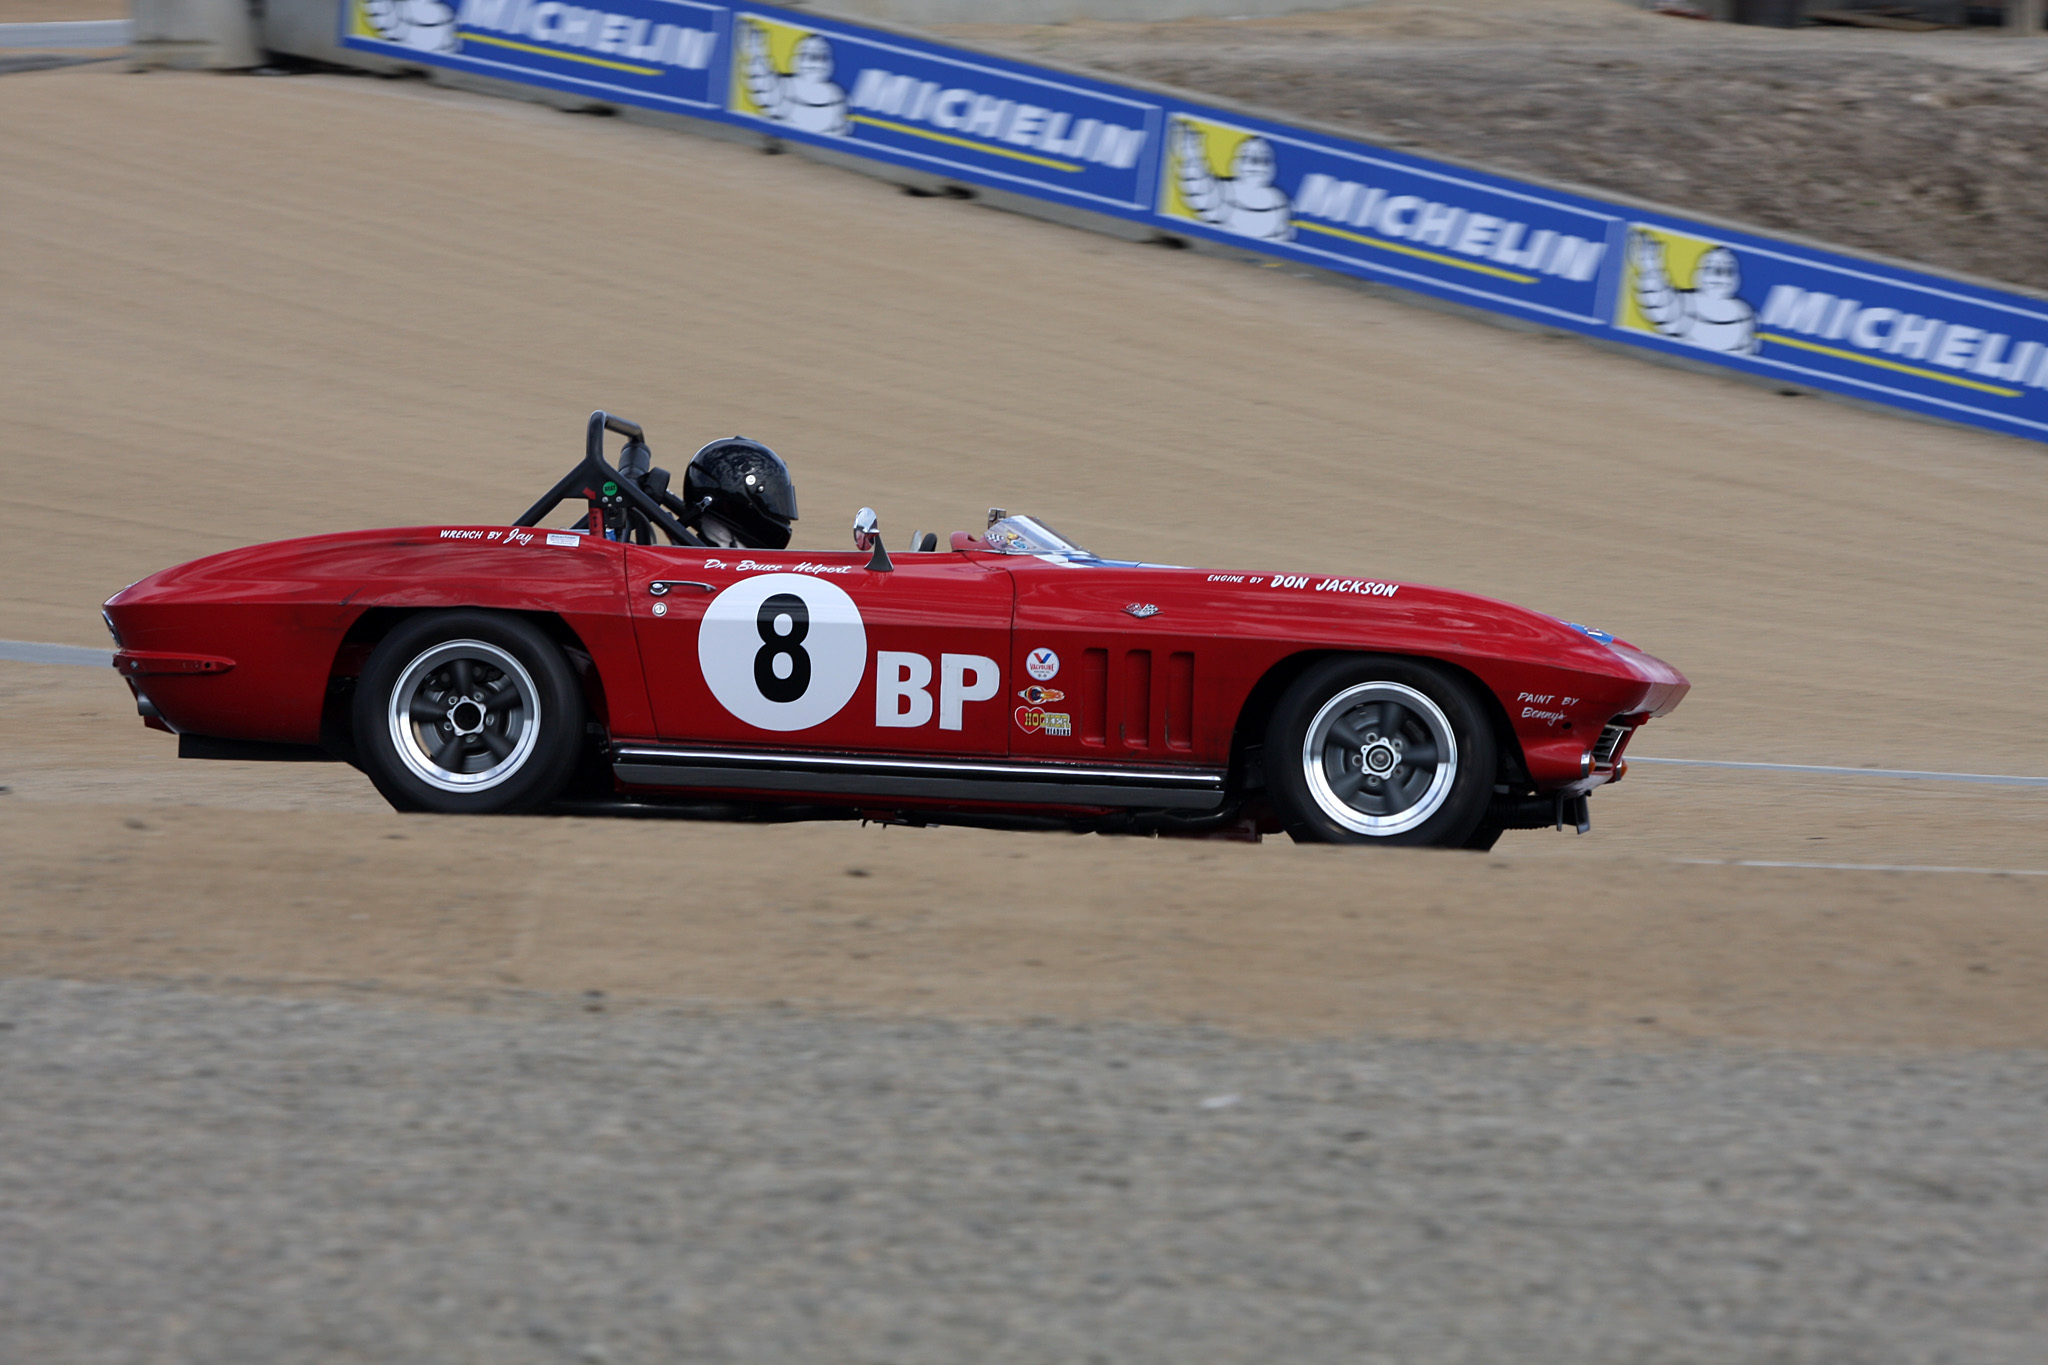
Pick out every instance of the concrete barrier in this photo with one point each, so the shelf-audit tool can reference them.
(196, 34)
(82, 35)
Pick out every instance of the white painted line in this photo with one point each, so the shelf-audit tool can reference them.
(28, 652)
(1995, 779)
(1866, 867)
(83, 33)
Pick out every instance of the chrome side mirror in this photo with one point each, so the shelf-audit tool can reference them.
(867, 535)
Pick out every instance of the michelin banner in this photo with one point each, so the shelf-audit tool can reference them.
(1789, 313)
(660, 54)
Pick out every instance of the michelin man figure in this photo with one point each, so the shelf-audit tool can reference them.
(422, 25)
(1245, 202)
(1708, 315)
(807, 99)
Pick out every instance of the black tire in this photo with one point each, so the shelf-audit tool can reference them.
(1484, 836)
(511, 745)
(1339, 746)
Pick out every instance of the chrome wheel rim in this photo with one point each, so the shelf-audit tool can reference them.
(1380, 758)
(464, 716)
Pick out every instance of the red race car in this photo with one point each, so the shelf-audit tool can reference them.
(1012, 680)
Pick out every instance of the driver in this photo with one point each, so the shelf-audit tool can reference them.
(743, 495)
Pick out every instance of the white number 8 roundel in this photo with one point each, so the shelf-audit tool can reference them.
(783, 651)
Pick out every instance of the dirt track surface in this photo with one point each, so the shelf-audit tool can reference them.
(257, 308)
(122, 861)
(241, 309)
(253, 308)
(1932, 147)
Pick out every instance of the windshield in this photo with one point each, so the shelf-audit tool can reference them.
(1030, 536)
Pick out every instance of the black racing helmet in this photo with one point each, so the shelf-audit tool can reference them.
(749, 488)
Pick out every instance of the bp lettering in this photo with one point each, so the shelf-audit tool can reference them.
(903, 682)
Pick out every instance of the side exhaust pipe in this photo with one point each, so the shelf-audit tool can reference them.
(1554, 811)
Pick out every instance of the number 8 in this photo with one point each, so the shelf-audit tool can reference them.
(777, 644)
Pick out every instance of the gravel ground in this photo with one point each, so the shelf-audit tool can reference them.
(1930, 147)
(187, 1176)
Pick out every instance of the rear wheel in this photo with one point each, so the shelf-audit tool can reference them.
(1374, 749)
(468, 712)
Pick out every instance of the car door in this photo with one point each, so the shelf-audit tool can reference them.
(796, 650)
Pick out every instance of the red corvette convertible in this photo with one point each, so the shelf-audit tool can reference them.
(1012, 680)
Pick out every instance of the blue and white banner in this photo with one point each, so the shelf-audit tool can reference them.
(1940, 347)
(1795, 314)
(661, 54)
(1402, 220)
(975, 118)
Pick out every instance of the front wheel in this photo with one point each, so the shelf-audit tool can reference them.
(468, 713)
(1375, 749)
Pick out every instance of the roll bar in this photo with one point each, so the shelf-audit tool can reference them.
(597, 482)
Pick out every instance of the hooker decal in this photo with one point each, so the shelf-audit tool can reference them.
(1032, 720)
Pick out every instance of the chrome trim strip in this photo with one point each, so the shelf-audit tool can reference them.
(1205, 779)
(1040, 784)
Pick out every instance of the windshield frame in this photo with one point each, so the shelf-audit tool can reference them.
(1021, 534)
